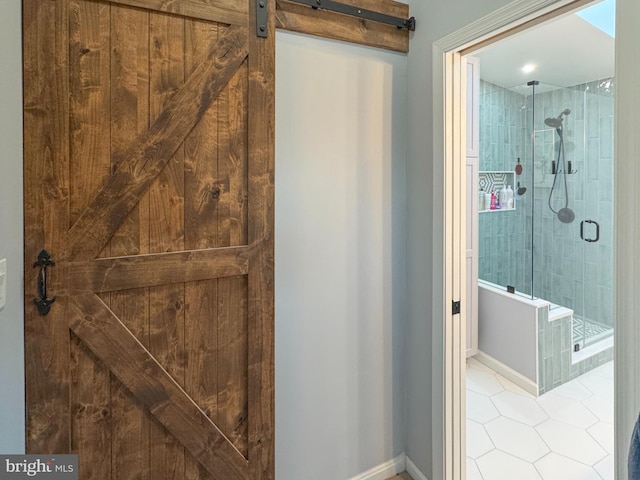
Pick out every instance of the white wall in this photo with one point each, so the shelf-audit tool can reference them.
(340, 270)
(434, 19)
(11, 316)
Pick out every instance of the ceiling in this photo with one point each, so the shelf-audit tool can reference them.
(566, 51)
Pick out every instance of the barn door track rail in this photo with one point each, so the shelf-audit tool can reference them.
(400, 23)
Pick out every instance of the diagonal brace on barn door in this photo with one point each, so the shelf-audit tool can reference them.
(343, 8)
(152, 150)
(123, 354)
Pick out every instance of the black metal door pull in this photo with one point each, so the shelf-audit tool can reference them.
(43, 303)
(593, 222)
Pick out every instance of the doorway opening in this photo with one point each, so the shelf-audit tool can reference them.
(555, 139)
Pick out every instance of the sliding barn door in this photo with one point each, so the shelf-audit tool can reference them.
(149, 183)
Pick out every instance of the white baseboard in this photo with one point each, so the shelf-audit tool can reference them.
(393, 467)
(384, 471)
(413, 470)
(497, 366)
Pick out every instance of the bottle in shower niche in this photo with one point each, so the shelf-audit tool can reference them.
(510, 197)
(503, 199)
(481, 200)
(493, 202)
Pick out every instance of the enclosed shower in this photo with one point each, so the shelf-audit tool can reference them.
(556, 244)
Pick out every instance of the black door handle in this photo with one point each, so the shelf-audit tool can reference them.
(597, 231)
(43, 303)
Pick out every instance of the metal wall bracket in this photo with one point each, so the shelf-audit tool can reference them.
(261, 18)
(401, 23)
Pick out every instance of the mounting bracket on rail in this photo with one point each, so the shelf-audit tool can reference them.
(331, 5)
(261, 18)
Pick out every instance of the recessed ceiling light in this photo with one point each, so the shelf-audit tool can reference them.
(528, 68)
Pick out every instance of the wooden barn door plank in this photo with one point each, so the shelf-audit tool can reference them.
(89, 164)
(129, 119)
(46, 187)
(261, 164)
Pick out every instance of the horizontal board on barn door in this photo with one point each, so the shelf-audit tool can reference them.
(146, 181)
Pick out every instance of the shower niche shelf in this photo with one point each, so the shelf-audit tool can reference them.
(493, 181)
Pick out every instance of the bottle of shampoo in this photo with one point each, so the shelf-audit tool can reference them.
(493, 204)
(481, 198)
(504, 197)
(510, 197)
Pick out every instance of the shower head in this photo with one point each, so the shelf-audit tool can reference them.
(553, 122)
(557, 122)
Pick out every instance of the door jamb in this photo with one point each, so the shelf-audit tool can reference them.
(449, 187)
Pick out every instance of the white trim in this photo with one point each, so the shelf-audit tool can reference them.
(393, 467)
(412, 470)
(627, 227)
(499, 21)
(497, 366)
(384, 471)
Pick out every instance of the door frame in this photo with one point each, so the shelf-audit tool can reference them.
(449, 184)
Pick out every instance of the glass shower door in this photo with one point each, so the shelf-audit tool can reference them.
(572, 145)
(595, 221)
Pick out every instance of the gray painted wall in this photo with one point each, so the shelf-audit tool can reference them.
(340, 293)
(12, 315)
(435, 19)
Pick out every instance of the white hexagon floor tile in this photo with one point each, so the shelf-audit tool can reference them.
(510, 386)
(478, 441)
(557, 467)
(597, 384)
(606, 467)
(472, 470)
(498, 465)
(573, 390)
(480, 408)
(572, 442)
(567, 410)
(516, 439)
(603, 433)
(483, 382)
(519, 407)
(601, 407)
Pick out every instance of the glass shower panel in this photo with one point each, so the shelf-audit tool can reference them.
(504, 241)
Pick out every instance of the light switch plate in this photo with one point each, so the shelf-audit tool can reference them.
(3, 282)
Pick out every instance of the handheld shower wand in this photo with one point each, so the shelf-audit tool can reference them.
(565, 214)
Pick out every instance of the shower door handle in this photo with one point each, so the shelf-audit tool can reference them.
(597, 231)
